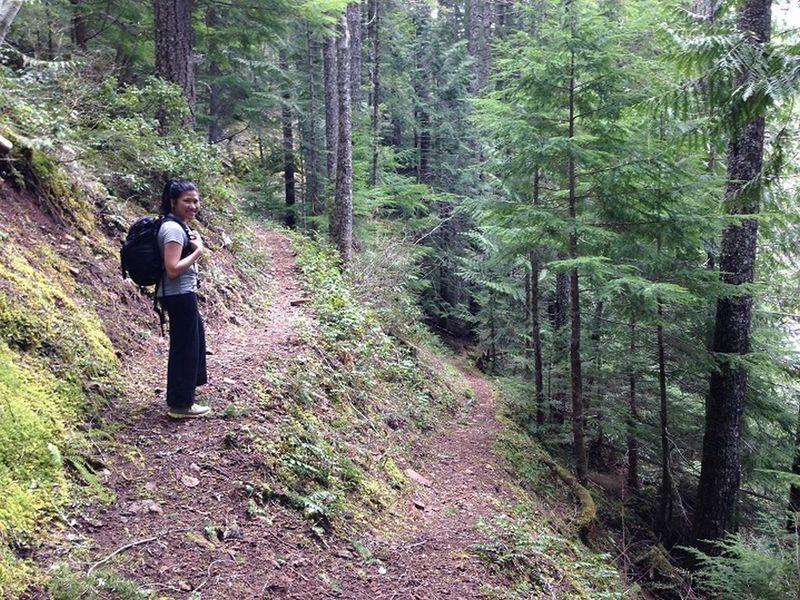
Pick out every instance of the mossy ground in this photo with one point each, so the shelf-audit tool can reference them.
(54, 359)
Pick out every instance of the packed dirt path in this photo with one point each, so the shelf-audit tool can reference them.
(179, 524)
(428, 550)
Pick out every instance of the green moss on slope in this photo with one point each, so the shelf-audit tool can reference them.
(50, 349)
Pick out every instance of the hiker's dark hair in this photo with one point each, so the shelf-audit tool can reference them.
(172, 191)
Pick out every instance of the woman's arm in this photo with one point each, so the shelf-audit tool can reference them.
(174, 265)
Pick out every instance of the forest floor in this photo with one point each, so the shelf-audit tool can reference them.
(179, 524)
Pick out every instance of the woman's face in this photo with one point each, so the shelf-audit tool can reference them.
(186, 205)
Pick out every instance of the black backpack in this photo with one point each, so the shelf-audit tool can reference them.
(140, 255)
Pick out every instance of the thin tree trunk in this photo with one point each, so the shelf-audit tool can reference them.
(213, 21)
(579, 443)
(721, 464)
(595, 337)
(794, 490)
(451, 9)
(475, 31)
(595, 448)
(79, 36)
(8, 12)
(354, 28)
(423, 148)
(664, 519)
(331, 104)
(174, 54)
(536, 330)
(374, 34)
(290, 218)
(536, 340)
(633, 443)
(342, 214)
(486, 37)
(423, 133)
(311, 170)
(705, 9)
(492, 333)
(558, 317)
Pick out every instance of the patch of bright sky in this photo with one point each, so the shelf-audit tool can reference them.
(787, 13)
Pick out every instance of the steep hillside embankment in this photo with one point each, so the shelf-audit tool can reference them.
(340, 461)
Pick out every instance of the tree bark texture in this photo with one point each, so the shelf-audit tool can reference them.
(705, 9)
(354, 28)
(213, 21)
(720, 471)
(311, 170)
(290, 218)
(174, 54)
(8, 12)
(375, 56)
(331, 104)
(342, 214)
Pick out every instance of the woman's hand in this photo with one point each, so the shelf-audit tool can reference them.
(195, 241)
(174, 265)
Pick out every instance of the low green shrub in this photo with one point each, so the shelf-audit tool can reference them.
(761, 568)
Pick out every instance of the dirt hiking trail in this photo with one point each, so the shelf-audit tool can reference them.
(179, 524)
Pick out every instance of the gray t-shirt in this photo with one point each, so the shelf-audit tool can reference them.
(170, 231)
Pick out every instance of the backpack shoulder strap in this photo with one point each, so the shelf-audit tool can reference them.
(156, 305)
(179, 222)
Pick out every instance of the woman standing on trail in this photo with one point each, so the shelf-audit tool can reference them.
(180, 249)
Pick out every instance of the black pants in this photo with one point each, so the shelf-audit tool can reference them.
(187, 350)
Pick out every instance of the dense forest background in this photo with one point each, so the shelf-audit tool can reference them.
(598, 197)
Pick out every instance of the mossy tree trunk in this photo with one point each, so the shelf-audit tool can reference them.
(331, 104)
(375, 95)
(341, 223)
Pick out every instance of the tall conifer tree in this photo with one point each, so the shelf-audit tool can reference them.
(721, 467)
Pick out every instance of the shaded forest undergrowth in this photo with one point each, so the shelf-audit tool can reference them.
(341, 461)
